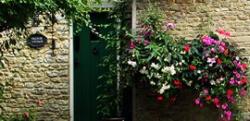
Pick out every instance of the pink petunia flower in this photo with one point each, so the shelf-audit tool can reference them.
(207, 40)
(232, 81)
(237, 75)
(228, 115)
(224, 106)
(223, 44)
(243, 92)
(221, 49)
(132, 45)
(205, 91)
(146, 42)
(171, 26)
(212, 50)
(197, 101)
(211, 60)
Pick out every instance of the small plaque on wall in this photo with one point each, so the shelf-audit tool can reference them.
(36, 41)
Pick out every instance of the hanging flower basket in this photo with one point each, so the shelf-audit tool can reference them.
(209, 64)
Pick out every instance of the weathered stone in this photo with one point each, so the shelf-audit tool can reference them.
(28, 75)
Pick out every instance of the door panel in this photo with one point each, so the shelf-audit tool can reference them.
(88, 53)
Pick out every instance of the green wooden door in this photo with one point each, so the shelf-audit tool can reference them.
(88, 53)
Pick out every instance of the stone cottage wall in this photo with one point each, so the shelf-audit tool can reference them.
(34, 77)
(190, 16)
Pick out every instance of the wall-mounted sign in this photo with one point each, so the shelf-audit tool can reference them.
(36, 41)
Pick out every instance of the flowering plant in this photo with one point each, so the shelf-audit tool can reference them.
(209, 64)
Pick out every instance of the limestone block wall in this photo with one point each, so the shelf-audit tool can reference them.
(191, 16)
(34, 76)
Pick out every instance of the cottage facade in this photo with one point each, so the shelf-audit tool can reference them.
(44, 79)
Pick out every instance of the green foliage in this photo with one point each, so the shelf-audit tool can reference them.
(16, 13)
(109, 101)
(152, 16)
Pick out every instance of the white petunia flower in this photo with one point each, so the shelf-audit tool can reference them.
(169, 69)
(143, 70)
(164, 88)
(161, 91)
(190, 83)
(199, 71)
(221, 78)
(218, 81)
(212, 82)
(132, 63)
(152, 83)
(183, 52)
(157, 75)
(164, 70)
(165, 59)
(237, 58)
(155, 66)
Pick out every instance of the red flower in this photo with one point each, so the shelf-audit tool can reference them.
(230, 92)
(220, 31)
(132, 45)
(243, 66)
(243, 80)
(208, 98)
(219, 61)
(227, 34)
(26, 115)
(192, 67)
(177, 83)
(223, 32)
(226, 52)
(160, 98)
(186, 48)
(216, 102)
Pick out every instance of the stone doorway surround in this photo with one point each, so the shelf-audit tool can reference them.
(71, 54)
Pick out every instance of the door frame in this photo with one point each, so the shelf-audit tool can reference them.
(71, 82)
(71, 58)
